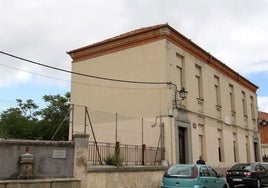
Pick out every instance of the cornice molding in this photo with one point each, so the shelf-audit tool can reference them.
(118, 43)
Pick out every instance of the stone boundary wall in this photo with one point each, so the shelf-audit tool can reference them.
(125, 177)
(65, 165)
(41, 183)
(52, 159)
(128, 177)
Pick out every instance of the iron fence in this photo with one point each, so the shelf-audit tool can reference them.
(132, 154)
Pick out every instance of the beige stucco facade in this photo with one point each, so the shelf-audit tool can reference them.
(218, 119)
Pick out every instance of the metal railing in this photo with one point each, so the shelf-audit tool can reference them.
(132, 154)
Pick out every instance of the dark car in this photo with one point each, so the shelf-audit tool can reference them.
(192, 176)
(248, 174)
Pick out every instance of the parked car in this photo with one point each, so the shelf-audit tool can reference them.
(192, 175)
(248, 174)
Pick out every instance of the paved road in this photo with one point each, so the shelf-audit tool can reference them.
(238, 186)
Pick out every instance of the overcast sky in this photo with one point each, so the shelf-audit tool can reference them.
(233, 31)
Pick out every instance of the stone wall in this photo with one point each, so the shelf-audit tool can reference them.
(41, 183)
(52, 159)
(68, 161)
(125, 177)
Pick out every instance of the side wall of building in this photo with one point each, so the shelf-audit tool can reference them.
(123, 109)
(263, 128)
(217, 123)
(142, 63)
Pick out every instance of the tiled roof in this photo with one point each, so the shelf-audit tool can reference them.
(263, 116)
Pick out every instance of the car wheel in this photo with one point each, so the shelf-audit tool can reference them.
(258, 183)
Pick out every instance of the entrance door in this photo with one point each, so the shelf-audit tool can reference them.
(182, 145)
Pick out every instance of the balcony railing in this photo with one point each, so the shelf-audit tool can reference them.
(132, 154)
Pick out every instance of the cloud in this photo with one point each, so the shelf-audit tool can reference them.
(263, 104)
(235, 32)
(20, 77)
(43, 31)
(12, 75)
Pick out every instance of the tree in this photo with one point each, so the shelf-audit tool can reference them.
(27, 122)
(19, 122)
(54, 124)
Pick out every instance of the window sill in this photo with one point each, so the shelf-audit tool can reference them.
(200, 101)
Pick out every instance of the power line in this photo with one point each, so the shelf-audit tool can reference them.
(87, 75)
(74, 82)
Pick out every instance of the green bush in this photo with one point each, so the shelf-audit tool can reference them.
(116, 160)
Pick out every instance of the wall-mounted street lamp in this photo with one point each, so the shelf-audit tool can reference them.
(183, 93)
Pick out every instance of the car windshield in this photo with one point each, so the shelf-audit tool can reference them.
(180, 171)
(241, 166)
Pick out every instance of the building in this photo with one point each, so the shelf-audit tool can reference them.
(263, 129)
(134, 80)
